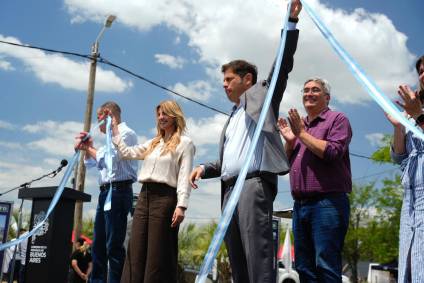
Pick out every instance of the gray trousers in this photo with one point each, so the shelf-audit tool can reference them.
(249, 235)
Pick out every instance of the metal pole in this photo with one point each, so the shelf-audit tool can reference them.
(80, 176)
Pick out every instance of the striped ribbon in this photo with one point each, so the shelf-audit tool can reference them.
(109, 163)
(235, 195)
(373, 90)
(55, 199)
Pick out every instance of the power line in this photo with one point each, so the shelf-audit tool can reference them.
(376, 174)
(360, 156)
(47, 49)
(105, 61)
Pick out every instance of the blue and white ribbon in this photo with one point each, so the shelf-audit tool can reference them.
(235, 195)
(109, 163)
(372, 89)
(55, 199)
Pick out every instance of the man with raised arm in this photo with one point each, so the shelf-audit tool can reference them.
(249, 238)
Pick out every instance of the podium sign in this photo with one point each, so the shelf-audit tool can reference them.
(49, 250)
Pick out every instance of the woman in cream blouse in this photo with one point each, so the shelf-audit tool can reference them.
(153, 247)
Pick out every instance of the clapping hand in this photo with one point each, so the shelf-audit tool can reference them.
(411, 101)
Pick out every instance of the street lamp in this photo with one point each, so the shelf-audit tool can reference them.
(80, 174)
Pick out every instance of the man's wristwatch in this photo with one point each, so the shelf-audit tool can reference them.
(420, 120)
(293, 20)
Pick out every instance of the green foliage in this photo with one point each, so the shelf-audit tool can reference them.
(362, 199)
(12, 233)
(193, 243)
(373, 233)
(88, 227)
(382, 155)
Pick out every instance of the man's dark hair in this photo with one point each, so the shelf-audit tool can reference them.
(112, 106)
(241, 68)
(419, 62)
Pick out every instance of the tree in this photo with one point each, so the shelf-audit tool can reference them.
(388, 205)
(362, 200)
(193, 244)
(375, 217)
(382, 155)
(88, 227)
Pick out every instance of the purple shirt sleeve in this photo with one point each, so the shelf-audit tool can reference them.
(338, 139)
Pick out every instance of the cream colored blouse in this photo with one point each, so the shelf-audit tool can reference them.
(172, 169)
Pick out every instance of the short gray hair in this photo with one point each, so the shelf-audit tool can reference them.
(323, 82)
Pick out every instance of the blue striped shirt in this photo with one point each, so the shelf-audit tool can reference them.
(411, 236)
(122, 169)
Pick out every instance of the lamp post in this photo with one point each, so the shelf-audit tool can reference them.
(80, 173)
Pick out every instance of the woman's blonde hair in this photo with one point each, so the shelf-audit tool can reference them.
(172, 109)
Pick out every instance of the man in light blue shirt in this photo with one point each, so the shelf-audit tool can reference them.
(110, 226)
(249, 238)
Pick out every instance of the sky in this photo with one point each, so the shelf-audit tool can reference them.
(181, 45)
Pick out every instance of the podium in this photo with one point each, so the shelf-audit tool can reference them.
(49, 250)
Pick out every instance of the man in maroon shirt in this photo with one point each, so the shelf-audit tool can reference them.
(318, 150)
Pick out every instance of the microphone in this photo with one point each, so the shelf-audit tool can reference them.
(63, 163)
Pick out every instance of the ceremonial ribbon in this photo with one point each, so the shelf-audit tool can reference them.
(109, 163)
(235, 195)
(55, 199)
(372, 89)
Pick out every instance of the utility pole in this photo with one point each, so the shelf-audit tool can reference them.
(80, 172)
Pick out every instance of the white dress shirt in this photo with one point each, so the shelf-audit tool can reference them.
(171, 169)
(238, 138)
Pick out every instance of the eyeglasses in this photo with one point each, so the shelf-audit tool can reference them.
(314, 90)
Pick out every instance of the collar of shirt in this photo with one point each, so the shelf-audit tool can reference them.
(321, 116)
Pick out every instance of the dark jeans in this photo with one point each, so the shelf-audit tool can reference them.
(21, 274)
(110, 228)
(153, 246)
(319, 227)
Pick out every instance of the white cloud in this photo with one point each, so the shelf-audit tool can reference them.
(57, 69)
(142, 139)
(375, 139)
(199, 90)
(170, 61)
(57, 137)
(371, 38)
(205, 132)
(208, 195)
(5, 65)
(49, 143)
(11, 145)
(6, 125)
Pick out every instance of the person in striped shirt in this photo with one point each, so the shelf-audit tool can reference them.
(407, 150)
(110, 226)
